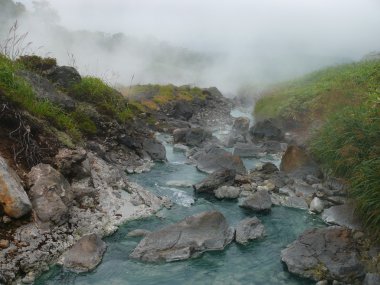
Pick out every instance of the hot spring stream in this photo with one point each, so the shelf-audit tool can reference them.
(256, 263)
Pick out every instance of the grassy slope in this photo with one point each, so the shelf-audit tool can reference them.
(346, 99)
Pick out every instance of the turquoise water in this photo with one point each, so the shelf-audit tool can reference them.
(256, 263)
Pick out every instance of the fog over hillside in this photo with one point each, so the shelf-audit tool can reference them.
(228, 44)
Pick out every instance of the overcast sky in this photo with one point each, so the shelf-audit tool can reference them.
(247, 32)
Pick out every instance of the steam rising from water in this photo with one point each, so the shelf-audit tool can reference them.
(228, 44)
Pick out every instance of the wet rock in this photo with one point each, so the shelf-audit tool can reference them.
(343, 215)
(249, 229)
(85, 255)
(304, 190)
(227, 192)
(266, 130)
(248, 150)
(324, 254)
(138, 233)
(295, 202)
(239, 131)
(155, 149)
(316, 205)
(269, 168)
(13, 198)
(259, 201)
(215, 180)
(188, 238)
(50, 193)
(371, 279)
(191, 136)
(297, 162)
(215, 158)
(64, 76)
(45, 90)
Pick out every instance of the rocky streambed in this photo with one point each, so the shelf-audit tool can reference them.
(232, 203)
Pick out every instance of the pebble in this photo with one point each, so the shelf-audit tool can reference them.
(4, 243)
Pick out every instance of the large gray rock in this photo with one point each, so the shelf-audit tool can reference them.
(182, 110)
(215, 158)
(227, 192)
(50, 193)
(85, 255)
(324, 254)
(249, 229)
(188, 238)
(13, 198)
(248, 150)
(64, 76)
(45, 90)
(316, 205)
(260, 201)
(266, 130)
(342, 215)
(154, 149)
(216, 180)
(372, 279)
(191, 136)
(239, 131)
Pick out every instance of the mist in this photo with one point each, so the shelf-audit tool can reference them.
(227, 44)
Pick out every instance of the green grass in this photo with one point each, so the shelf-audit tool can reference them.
(153, 96)
(18, 91)
(346, 99)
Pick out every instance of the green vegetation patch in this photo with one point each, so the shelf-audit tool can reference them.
(17, 90)
(36, 63)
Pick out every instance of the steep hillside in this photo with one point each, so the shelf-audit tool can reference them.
(337, 111)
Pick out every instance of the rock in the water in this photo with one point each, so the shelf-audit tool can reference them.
(269, 168)
(138, 233)
(154, 149)
(50, 193)
(266, 130)
(215, 180)
(295, 202)
(227, 192)
(13, 198)
(372, 279)
(249, 229)
(188, 238)
(85, 255)
(260, 201)
(191, 136)
(342, 215)
(239, 131)
(215, 158)
(248, 150)
(316, 205)
(326, 253)
(64, 76)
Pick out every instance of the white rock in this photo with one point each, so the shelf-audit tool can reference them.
(316, 205)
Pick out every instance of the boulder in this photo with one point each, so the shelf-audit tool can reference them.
(269, 168)
(182, 110)
(64, 76)
(325, 253)
(215, 158)
(342, 215)
(191, 136)
(297, 162)
(295, 202)
(69, 163)
(50, 193)
(247, 150)
(260, 201)
(316, 205)
(216, 180)
(188, 238)
(154, 149)
(45, 90)
(85, 254)
(304, 190)
(249, 229)
(266, 130)
(13, 198)
(239, 131)
(227, 192)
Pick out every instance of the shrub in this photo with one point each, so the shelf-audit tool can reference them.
(36, 63)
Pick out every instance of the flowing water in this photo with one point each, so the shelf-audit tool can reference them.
(256, 263)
